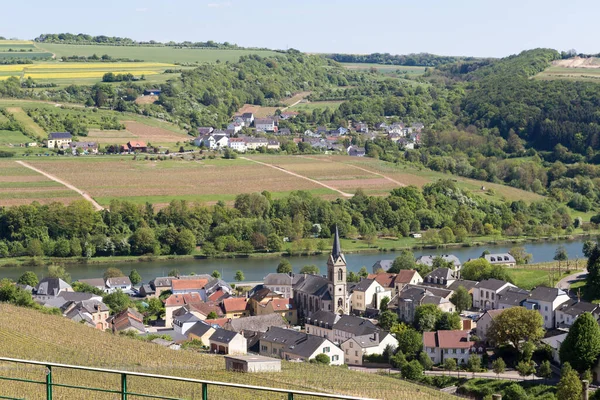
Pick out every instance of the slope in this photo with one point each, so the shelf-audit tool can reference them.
(29, 334)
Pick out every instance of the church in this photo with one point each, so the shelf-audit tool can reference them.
(314, 293)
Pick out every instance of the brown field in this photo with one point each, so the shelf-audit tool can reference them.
(110, 137)
(146, 99)
(296, 97)
(153, 133)
(258, 111)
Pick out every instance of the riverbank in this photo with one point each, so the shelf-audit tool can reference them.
(349, 246)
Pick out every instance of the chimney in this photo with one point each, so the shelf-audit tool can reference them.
(376, 336)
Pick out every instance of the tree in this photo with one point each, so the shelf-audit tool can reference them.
(113, 273)
(216, 274)
(310, 269)
(474, 363)
(448, 322)
(28, 278)
(155, 308)
(135, 277)
(284, 267)
(476, 270)
(174, 272)
(143, 241)
(406, 260)
(117, 301)
(239, 276)
(588, 247)
(545, 370)
(363, 273)
(426, 317)
(581, 347)
(425, 361)
(525, 368)
(86, 288)
(56, 271)
(569, 387)
(387, 319)
(516, 324)
(383, 305)
(450, 364)
(499, 366)
(461, 299)
(560, 255)
(446, 235)
(212, 315)
(520, 255)
(34, 248)
(398, 360)
(274, 242)
(322, 358)
(412, 371)
(185, 242)
(515, 392)
(410, 342)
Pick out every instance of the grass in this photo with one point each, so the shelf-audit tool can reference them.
(587, 293)
(8, 138)
(27, 122)
(152, 54)
(386, 69)
(316, 105)
(571, 74)
(483, 388)
(527, 278)
(63, 341)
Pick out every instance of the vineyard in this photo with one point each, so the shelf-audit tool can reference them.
(28, 334)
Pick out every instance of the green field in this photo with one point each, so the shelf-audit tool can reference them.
(21, 49)
(386, 69)
(571, 74)
(316, 105)
(63, 341)
(161, 54)
(12, 138)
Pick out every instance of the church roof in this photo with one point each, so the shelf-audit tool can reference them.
(337, 250)
(314, 285)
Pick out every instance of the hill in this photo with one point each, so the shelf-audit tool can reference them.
(29, 334)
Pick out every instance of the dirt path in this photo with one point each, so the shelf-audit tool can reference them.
(86, 196)
(299, 176)
(362, 169)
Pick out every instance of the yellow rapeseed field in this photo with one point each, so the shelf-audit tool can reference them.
(107, 67)
(86, 74)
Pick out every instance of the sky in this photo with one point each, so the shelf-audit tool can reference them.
(484, 28)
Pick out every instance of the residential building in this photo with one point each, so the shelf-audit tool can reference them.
(357, 347)
(361, 127)
(235, 307)
(484, 322)
(258, 323)
(127, 320)
(84, 147)
(252, 363)
(98, 283)
(122, 283)
(265, 125)
(146, 290)
(253, 143)
(135, 146)
(161, 284)
(182, 286)
(288, 115)
(546, 300)
(273, 144)
(451, 258)
(485, 293)
(382, 266)
(177, 301)
(227, 342)
(368, 293)
(284, 132)
(235, 127)
(501, 259)
(212, 141)
(338, 328)
(283, 307)
(58, 140)
(238, 144)
(205, 130)
(396, 282)
(412, 296)
(200, 331)
(555, 342)
(291, 345)
(511, 297)
(567, 312)
(49, 288)
(441, 345)
(355, 151)
(183, 322)
(440, 276)
(93, 311)
(279, 283)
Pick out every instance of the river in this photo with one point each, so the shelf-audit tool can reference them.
(255, 269)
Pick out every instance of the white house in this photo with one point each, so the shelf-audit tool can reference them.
(212, 141)
(235, 127)
(121, 283)
(338, 328)
(279, 283)
(238, 144)
(359, 346)
(291, 345)
(368, 293)
(182, 323)
(546, 300)
(265, 125)
(567, 312)
(501, 259)
(58, 140)
(555, 342)
(253, 143)
(485, 293)
(442, 345)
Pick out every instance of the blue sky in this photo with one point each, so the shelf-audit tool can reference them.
(447, 27)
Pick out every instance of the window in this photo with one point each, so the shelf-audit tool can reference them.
(481, 293)
(326, 349)
(335, 358)
(274, 351)
(545, 318)
(546, 308)
(264, 348)
(340, 302)
(356, 353)
(493, 295)
(340, 275)
(487, 295)
(347, 352)
(351, 345)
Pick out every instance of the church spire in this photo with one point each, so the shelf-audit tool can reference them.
(336, 251)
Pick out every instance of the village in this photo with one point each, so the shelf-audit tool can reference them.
(328, 319)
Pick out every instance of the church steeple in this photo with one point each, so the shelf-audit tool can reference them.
(336, 251)
(336, 274)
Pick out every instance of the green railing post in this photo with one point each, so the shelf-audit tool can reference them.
(48, 382)
(290, 396)
(205, 391)
(123, 386)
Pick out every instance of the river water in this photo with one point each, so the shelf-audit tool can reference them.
(255, 269)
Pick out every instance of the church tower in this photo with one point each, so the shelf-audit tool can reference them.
(336, 274)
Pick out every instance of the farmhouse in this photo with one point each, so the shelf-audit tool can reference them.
(291, 345)
(441, 345)
(212, 141)
(238, 144)
(58, 140)
(265, 125)
(135, 146)
(252, 363)
(84, 147)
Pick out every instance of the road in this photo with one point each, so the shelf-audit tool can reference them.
(565, 283)
(508, 375)
(86, 196)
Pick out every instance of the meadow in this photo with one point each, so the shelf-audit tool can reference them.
(63, 341)
(386, 69)
(316, 105)
(571, 74)
(160, 54)
(21, 49)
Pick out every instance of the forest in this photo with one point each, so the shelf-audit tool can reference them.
(420, 59)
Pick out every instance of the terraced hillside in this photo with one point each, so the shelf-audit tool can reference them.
(29, 334)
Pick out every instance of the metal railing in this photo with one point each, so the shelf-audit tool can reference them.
(123, 392)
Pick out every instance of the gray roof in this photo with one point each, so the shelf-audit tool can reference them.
(464, 283)
(300, 344)
(428, 260)
(543, 293)
(437, 291)
(222, 336)
(51, 287)
(199, 329)
(78, 315)
(214, 284)
(512, 296)
(161, 281)
(146, 289)
(278, 279)
(491, 284)
(336, 251)
(258, 323)
(118, 281)
(314, 285)
(364, 285)
(59, 135)
(370, 340)
(382, 264)
(96, 282)
(440, 273)
(500, 258)
(92, 306)
(188, 317)
(576, 307)
(323, 319)
(355, 325)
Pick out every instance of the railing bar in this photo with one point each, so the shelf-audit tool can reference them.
(152, 396)
(11, 398)
(85, 388)
(181, 379)
(5, 378)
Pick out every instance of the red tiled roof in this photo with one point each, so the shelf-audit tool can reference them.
(206, 308)
(219, 321)
(217, 295)
(405, 275)
(384, 279)
(183, 299)
(188, 284)
(283, 304)
(235, 304)
(447, 339)
(137, 144)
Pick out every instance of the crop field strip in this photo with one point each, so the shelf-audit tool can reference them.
(67, 342)
(21, 116)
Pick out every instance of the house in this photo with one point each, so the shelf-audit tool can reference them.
(382, 266)
(84, 147)
(128, 320)
(341, 131)
(288, 115)
(146, 290)
(283, 307)
(465, 283)
(182, 323)
(396, 282)
(484, 322)
(212, 141)
(253, 327)
(152, 92)
(289, 344)
(200, 331)
(411, 296)
(361, 127)
(338, 328)
(441, 345)
(170, 344)
(279, 283)
(321, 130)
(555, 342)
(176, 301)
(273, 145)
(567, 312)
(98, 283)
(236, 307)
(248, 118)
(205, 130)
(49, 288)
(485, 293)
(357, 347)
(122, 283)
(253, 143)
(182, 286)
(440, 276)
(238, 144)
(355, 151)
(511, 297)
(546, 300)
(501, 259)
(93, 311)
(160, 284)
(451, 258)
(417, 126)
(284, 132)
(252, 363)
(227, 342)
(265, 125)
(58, 140)
(368, 294)
(135, 146)
(235, 127)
